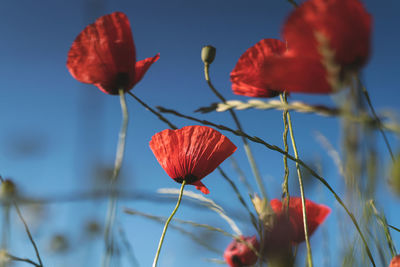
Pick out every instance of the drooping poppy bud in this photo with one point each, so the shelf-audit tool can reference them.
(240, 254)
(208, 54)
(104, 54)
(395, 261)
(191, 153)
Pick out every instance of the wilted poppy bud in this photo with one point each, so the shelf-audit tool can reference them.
(395, 261)
(208, 54)
(239, 254)
(7, 189)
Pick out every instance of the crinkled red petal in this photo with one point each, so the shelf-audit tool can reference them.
(248, 77)
(104, 54)
(193, 151)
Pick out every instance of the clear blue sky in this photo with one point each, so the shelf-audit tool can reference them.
(54, 130)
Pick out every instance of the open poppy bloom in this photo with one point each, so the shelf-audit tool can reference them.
(104, 54)
(316, 215)
(239, 254)
(247, 76)
(328, 41)
(191, 153)
(395, 261)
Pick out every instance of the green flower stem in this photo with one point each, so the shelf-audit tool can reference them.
(394, 228)
(111, 210)
(285, 163)
(15, 258)
(258, 140)
(371, 107)
(247, 149)
(382, 220)
(167, 223)
(28, 232)
(303, 199)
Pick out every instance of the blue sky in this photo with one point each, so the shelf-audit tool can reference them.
(74, 127)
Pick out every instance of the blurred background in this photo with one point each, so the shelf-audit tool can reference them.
(58, 137)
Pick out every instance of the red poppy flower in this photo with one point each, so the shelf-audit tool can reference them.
(328, 40)
(332, 31)
(248, 75)
(316, 215)
(238, 254)
(104, 54)
(191, 153)
(395, 261)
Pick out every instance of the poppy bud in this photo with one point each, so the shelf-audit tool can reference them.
(7, 189)
(239, 254)
(208, 54)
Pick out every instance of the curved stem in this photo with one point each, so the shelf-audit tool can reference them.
(167, 223)
(303, 199)
(247, 149)
(28, 232)
(371, 107)
(285, 186)
(111, 210)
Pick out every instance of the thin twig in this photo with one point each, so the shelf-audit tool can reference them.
(160, 116)
(366, 94)
(394, 228)
(383, 222)
(278, 149)
(15, 258)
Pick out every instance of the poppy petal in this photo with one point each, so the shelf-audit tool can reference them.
(191, 153)
(142, 66)
(104, 54)
(316, 215)
(200, 186)
(395, 261)
(300, 75)
(248, 76)
(340, 27)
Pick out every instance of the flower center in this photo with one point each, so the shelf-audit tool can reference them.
(190, 178)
